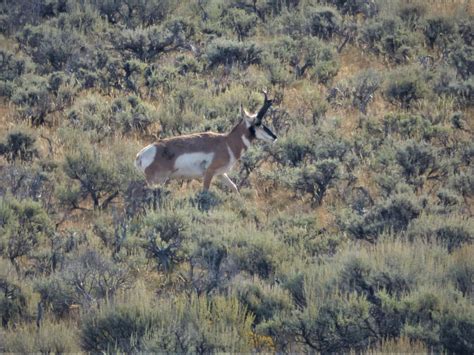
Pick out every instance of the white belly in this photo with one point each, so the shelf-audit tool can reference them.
(192, 164)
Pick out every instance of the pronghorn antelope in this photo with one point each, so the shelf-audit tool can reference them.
(203, 155)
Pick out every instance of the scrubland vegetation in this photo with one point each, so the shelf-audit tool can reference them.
(353, 232)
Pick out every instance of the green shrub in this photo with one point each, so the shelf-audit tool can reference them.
(451, 232)
(50, 48)
(336, 323)
(206, 200)
(448, 198)
(407, 126)
(387, 291)
(32, 97)
(416, 160)
(208, 262)
(56, 296)
(384, 277)
(328, 146)
(456, 331)
(29, 181)
(390, 269)
(164, 236)
(465, 29)
(12, 67)
(457, 120)
(13, 303)
(463, 183)
(83, 19)
(16, 16)
(325, 65)
(316, 179)
(48, 339)
(308, 56)
(446, 83)
(405, 87)
(202, 325)
(325, 71)
(117, 328)
(461, 270)
(186, 65)
(100, 175)
(19, 145)
(438, 30)
(301, 233)
(22, 230)
(441, 320)
(159, 78)
(365, 85)
(462, 58)
(388, 36)
(134, 14)
(93, 277)
(354, 7)
(411, 14)
(323, 22)
(257, 256)
(392, 215)
(240, 21)
(147, 43)
(294, 148)
(360, 199)
(133, 74)
(132, 114)
(92, 114)
(175, 117)
(227, 52)
(262, 300)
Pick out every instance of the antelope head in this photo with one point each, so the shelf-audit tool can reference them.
(254, 122)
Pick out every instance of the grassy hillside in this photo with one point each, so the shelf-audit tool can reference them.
(353, 232)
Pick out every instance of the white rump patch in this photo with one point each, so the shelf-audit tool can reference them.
(192, 164)
(145, 157)
(245, 141)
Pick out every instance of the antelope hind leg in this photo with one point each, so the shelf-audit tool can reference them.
(226, 180)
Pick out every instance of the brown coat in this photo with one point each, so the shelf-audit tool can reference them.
(195, 155)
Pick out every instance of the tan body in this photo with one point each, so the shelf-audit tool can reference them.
(202, 155)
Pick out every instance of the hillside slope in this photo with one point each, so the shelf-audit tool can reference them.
(353, 232)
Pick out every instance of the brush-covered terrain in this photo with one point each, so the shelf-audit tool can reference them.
(353, 232)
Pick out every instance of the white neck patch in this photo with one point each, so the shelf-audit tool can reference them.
(245, 141)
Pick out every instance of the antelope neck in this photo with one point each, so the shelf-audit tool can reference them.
(239, 138)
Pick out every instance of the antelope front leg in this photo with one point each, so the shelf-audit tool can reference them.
(208, 178)
(229, 183)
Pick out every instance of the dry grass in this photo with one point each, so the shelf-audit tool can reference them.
(433, 7)
(324, 216)
(8, 44)
(6, 117)
(402, 345)
(353, 60)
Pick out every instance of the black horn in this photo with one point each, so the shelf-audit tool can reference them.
(266, 105)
